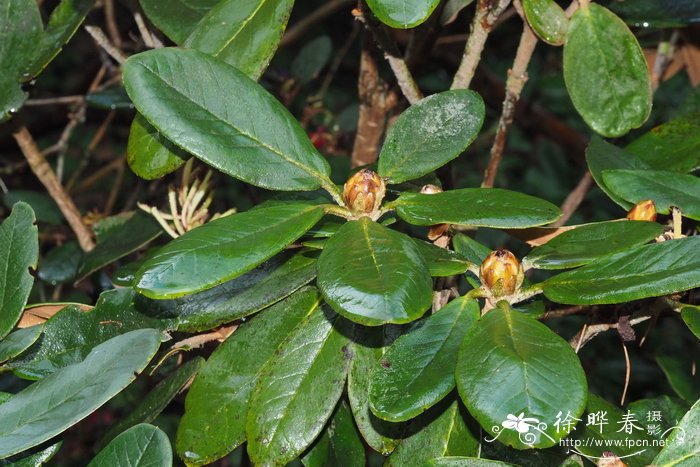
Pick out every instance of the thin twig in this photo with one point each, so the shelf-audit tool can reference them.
(588, 332)
(298, 29)
(45, 174)
(55, 100)
(408, 85)
(517, 77)
(111, 21)
(149, 40)
(487, 13)
(628, 371)
(99, 36)
(572, 310)
(574, 199)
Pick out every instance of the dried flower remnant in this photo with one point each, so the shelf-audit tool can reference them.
(643, 211)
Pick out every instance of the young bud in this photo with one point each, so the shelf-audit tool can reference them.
(430, 189)
(364, 192)
(501, 273)
(643, 211)
(438, 230)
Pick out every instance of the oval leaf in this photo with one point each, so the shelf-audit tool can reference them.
(374, 275)
(223, 249)
(431, 133)
(402, 14)
(547, 19)
(216, 404)
(606, 72)
(19, 251)
(666, 189)
(251, 137)
(141, 446)
(675, 145)
(18, 341)
(682, 447)
(441, 261)
(55, 403)
(510, 365)
(639, 272)
(297, 391)
(418, 369)
(589, 242)
(340, 444)
(149, 154)
(477, 207)
(691, 317)
(242, 34)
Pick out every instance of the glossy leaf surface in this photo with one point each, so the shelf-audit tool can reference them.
(673, 146)
(176, 18)
(55, 403)
(418, 369)
(339, 445)
(402, 14)
(683, 444)
(639, 272)
(547, 19)
(511, 364)
(217, 402)
(665, 188)
(478, 207)
(223, 249)
(141, 446)
(589, 242)
(149, 154)
(253, 137)
(691, 317)
(441, 261)
(19, 251)
(430, 133)
(606, 72)
(297, 390)
(18, 341)
(374, 275)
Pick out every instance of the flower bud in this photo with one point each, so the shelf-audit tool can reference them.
(430, 189)
(643, 211)
(438, 230)
(501, 273)
(364, 192)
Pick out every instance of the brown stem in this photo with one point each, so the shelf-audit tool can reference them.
(517, 77)
(408, 85)
(375, 102)
(574, 199)
(111, 20)
(487, 12)
(299, 28)
(45, 174)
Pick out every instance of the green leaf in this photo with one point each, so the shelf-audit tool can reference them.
(638, 272)
(691, 317)
(441, 261)
(431, 133)
(156, 400)
(452, 9)
(547, 19)
(123, 234)
(242, 34)
(149, 154)
(374, 275)
(680, 372)
(510, 364)
(402, 14)
(602, 428)
(474, 251)
(19, 251)
(666, 189)
(32, 459)
(44, 207)
(368, 346)
(673, 146)
(20, 31)
(477, 207)
(61, 264)
(606, 72)
(18, 341)
(683, 444)
(237, 298)
(298, 389)
(223, 249)
(63, 22)
(252, 137)
(418, 370)
(71, 334)
(601, 156)
(141, 446)
(110, 98)
(57, 402)
(312, 58)
(658, 13)
(589, 242)
(339, 445)
(440, 432)
(456, 461)
(217, 402)
(670, 409)
(176, 18)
